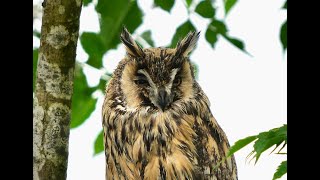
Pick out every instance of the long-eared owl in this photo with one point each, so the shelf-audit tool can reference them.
(157, 121)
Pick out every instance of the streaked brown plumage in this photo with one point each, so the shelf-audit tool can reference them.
(156, 119)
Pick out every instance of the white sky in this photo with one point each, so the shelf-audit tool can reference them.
(248, 94)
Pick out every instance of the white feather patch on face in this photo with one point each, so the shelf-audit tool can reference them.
(172, 77)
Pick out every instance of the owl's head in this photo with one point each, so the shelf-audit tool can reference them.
(157, 77)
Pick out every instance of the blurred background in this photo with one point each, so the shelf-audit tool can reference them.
(241, 61)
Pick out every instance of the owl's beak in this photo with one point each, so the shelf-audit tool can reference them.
(163, 99)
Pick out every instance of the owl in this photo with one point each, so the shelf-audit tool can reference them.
(157, 121)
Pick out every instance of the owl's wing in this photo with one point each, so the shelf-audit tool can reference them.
(118, 166)
(212, 148)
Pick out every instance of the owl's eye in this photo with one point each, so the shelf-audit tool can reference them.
(141, 82)
(177, 81)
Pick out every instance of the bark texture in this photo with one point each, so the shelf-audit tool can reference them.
(54, 87)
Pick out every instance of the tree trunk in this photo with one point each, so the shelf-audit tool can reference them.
(54, 88)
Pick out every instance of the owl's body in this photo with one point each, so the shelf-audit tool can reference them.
(156, 119)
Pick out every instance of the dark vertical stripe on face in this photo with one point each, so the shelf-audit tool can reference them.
(162, 54)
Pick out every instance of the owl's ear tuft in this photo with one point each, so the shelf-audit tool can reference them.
(131, 46)
(187, 44)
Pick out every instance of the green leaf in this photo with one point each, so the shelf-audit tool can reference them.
(36, 33)
(215, 27)
(86, 2)
(239, 44)
(283, 35)
(102, 85)
(240, 144)
(94, 47)
(113, 16)
(228, 4)
(92, 43)
(218, 27)
(112, 9)
(282, 169)
(131, 21)
(205, 9)
(236, 42)
(98, 144)
(147, 37)
(268, 139)
(82, 102)
(181, 32)
(188, 2)
(285, 5)
(35, 63)
(165, 4)
(211, 37)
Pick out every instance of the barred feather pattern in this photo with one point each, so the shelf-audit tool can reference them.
(144, 143)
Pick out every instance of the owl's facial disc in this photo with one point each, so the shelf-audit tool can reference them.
(160, 95)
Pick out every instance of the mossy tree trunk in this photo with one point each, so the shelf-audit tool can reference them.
(54, 87)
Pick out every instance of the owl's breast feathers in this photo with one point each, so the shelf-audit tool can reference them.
(182, 142)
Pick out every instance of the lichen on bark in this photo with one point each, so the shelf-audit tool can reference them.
(54, 87)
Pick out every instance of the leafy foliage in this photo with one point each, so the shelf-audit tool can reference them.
(93, 45)
(236, 42)
(264, 141)
(188, 3)
(147, 37)
(211, 37)
(285, 6)
(82, 102)
(216, 28)
(240, 144)
(283, 31)
(268, 139)
(205, 9)
(282, 169)
(35, 62)
(228, 4)
(164, 4)
(283, 35)
(86, 2)
(239, 44)
(98, 144)
(36, 33)
(112, 18)
(102, 85)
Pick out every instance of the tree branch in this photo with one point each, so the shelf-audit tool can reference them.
(54, 88)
